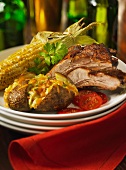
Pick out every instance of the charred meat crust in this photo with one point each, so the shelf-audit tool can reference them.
(96, 52)
(113, 72)
(91, 65)
(86, 78)
(113, 51)
(94, 57)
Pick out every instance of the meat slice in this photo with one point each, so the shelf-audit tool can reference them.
(93, 57)
(107, 79)
(91, 65)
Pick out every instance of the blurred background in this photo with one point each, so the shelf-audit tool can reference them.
(20, 20)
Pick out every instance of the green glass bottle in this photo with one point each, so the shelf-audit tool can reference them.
(12, 23)
(98, 12)
(2, 5)
(76, 10)
(104, 11)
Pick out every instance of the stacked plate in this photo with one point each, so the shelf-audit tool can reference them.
(34, 123)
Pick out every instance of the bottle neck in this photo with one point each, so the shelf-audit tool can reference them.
(76, 10)
(99, 3)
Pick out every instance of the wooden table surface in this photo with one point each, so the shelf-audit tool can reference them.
(7, 135)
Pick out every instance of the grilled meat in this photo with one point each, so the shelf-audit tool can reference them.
(94, 57)
(109, 79)
(91, 65)
(113, 51)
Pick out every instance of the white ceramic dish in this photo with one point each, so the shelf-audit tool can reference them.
(46, 122)
(114, 99)
(20, 129)
(27, 125)
(51, 125)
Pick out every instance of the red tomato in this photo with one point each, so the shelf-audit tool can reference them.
(69, 110)
(103, 96)
(76, 100)
(81, 93)
(90, 101)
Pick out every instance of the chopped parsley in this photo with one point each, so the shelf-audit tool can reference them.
(52, 54)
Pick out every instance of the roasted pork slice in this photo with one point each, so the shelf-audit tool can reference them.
(91, 65)
(107, 79)
(93, 57)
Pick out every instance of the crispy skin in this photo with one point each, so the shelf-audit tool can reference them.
(109, 79)
(93, 57)
(49, 95)
(57, 99)
(91, 65)
(18, 97)
(113, 72)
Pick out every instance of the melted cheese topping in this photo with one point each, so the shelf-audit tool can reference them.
(42, 85)
(39, 87)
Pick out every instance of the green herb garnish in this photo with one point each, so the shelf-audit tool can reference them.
(37, 69)
(52, 54)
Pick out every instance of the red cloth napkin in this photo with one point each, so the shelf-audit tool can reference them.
(95, 145)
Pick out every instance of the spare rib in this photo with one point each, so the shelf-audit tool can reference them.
(107, 79)
(95, 57)
(91, 65)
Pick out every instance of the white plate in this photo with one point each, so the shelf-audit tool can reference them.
(28, 126)
(41, 128)
(5, 53)
(20, 129)
(65, 122)
(114, 99)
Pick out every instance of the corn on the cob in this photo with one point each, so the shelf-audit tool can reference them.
(15, 64)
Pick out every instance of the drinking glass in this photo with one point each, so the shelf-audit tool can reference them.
(122, 30)
(44, 15)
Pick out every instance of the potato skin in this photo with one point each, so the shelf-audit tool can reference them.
(27, 94)
(57, 99)
(18, 97)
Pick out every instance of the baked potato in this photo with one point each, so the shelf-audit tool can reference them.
(40, 93)
(16, 95)
(51, 94)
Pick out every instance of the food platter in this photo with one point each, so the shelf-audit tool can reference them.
(114, 99)
(13, 119)
(36, 129)
(31, 122)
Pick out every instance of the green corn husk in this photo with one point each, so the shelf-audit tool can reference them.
(74, 34)
(13, 66)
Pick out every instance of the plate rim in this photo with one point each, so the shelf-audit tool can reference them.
(57, 116)
(48, 127)
(20, 129)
